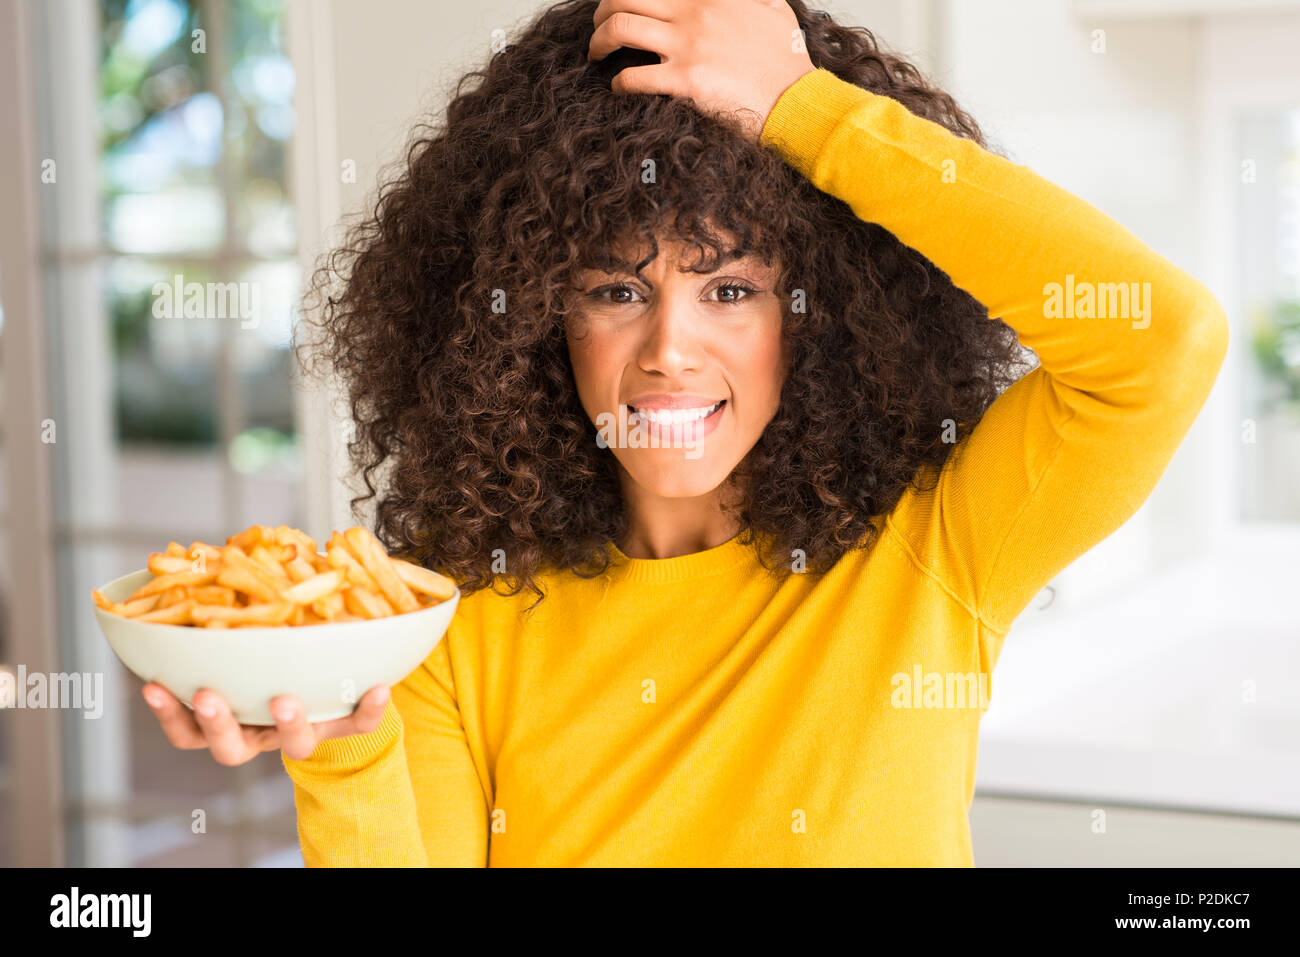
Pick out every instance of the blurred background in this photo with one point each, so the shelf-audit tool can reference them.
(1146, 709)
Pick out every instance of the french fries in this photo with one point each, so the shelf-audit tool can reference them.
(339, 555)
(318, 586)
(424, 581)
(273, 576)
(375, 560)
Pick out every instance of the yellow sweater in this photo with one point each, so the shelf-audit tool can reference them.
(690, 711)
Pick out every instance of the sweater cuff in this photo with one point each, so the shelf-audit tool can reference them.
(350, 753)
(807, 113)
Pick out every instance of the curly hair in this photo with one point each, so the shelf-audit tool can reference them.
(470, 407)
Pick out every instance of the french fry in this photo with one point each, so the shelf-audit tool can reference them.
(329, 607)
(177, 614)
(174, 550)
(339, 555)
(364, 603)
(249, 581)
(249, 537)
(209, 553)
(163, 582)
(162, 564)
(370, 553)
(214, 595)
(265, 613)
(299, 568)
(127, 609)
(232, 557)
(291, 536)
(270, 563)
(177, 593)
(423, 580)
(133, 609)
(318, 586)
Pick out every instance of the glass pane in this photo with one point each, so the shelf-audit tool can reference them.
(262, 119)
(161, 130)
(136, 392)
(262, 357)
(164, 358)
(182, 219)
(1270, 261)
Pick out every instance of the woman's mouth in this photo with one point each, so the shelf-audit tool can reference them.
(676, 427)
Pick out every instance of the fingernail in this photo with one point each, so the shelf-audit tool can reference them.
(382, 696)
(207, 710)
(155, 700)
(285, 714)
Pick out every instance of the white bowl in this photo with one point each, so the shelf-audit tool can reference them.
(328, 667)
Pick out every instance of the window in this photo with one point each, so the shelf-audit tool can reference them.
(171, 279)
(1270, 271)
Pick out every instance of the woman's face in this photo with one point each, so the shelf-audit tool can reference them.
(680, 373)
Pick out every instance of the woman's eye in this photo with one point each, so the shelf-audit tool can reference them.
(728, 293)
(733, 292)
(616, 294)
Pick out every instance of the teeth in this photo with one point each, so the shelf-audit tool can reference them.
(674, 416)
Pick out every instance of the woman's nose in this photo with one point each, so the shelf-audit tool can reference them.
(671, 344)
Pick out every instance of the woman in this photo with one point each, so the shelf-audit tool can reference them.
(696, 380)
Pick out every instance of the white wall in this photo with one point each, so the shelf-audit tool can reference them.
(395, 58)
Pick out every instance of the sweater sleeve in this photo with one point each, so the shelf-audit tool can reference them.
(1128, 345)
(407, 794)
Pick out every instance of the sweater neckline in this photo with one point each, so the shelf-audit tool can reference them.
(711, 561)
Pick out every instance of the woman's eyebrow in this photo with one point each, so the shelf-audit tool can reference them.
(614, 266)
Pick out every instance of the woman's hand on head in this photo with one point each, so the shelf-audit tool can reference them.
(232, 743)
(729, 56)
